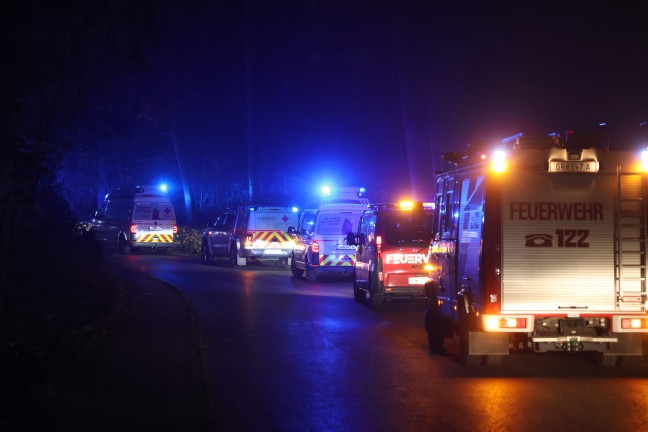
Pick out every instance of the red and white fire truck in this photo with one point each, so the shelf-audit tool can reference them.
(392, 254)
(540, 247)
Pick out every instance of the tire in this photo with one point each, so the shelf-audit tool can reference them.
(358, 294)
(124, 247)
(608, 360)
(296, 272)
(311, 275)
(464, 341)
(374, 301)
(434, 328)
(205, 256)
(232, 256)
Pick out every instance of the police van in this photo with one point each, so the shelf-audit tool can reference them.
(321, 245)
(136, 217)
(250, 233)
(392, 252)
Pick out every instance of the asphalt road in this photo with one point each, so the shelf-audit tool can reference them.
(284, 354)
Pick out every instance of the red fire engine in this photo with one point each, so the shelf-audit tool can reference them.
(540, 247)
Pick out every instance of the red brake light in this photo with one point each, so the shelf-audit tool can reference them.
(315, 247)
(133, 229)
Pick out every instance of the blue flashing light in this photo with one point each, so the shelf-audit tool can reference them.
(326, 190)
(295, 210)
(361, 192)
(164, 187)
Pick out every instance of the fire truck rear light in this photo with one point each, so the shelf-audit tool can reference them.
(175, 229)
(429, 267)
(315, 247)
(378, 244)
(634, 323)
(499, 323)
(248, 240)
(380, 276)
(133, 229)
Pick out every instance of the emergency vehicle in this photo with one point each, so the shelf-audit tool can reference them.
(136, 217)
(541, 247)
(392, 252)
(250, 233)
(321, 245)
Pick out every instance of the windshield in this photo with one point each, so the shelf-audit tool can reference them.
(407, 228)
(337, 223)
(154, 211)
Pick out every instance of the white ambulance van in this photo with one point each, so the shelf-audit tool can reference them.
(136, 217)
(321, 245)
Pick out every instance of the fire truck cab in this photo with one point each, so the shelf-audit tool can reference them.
(392, 241)
(321, 245)
(541, 247)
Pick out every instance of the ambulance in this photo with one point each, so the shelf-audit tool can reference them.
(250, 233)
(392, 252)
(540, 246)
(136, 218)
(321, 237)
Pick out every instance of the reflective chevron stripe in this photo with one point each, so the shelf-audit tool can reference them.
(155, 238)
(337, 260)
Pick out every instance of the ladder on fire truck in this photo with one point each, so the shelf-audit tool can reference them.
(630, 242)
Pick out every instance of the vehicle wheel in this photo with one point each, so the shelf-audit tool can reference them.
(297, 272)
(205, 256)
(124, 246)
(608, 360)
(492, 360)
(464, 341)
(434, 328)
(232, 256)
(375, 301)
(311, 275)
(358, 294)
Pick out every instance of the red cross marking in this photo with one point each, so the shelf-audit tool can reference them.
(285, 218)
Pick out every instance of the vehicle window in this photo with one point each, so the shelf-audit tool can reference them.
(337, 223)
(230, 219)
(118, 210)
(220, 222)
(368, 228)
(307, 223)
(274, 221)
(153, 211)
(407, 228)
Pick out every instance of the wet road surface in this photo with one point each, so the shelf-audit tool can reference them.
(285, 354)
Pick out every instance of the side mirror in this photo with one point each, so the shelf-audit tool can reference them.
(351, 239)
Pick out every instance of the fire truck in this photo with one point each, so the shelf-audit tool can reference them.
(321, 244)
(392, 252)
(540, 247)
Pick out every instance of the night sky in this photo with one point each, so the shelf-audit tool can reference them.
(371, 93)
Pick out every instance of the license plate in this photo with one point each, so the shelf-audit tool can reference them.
(273, 252)
(574, 166)
(418, 280)
(155, 228)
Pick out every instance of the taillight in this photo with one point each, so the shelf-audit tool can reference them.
(378, 244)
(494, 323)
(175, 229)
(315, 247)
(634, 323)
(248, 240)
(133, 229)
